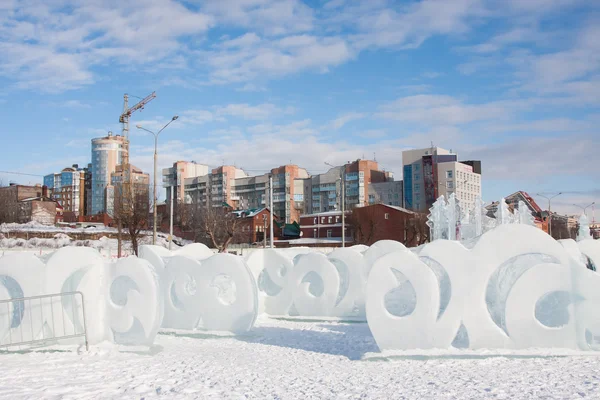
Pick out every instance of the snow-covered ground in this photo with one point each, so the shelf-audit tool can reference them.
(299, 359)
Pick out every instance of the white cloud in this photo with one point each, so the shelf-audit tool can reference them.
(440, 110)
(276, 58)
(342, 120)
(52, 46)
(247, 111)
(251, 87)
(272, 17)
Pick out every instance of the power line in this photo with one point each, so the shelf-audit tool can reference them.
(20, 173)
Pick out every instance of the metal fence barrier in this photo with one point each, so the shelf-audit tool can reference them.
(42, 319)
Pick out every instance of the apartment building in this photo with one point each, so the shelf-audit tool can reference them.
(175, 176)
(233, 186)
(431, 172)
(68, 187)
(136, 188)
(324, 190)
(460, 179)
(389, 193)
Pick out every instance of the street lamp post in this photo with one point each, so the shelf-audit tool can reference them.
(585, 208)
(342, 203)
(549, 210)
(155, 171)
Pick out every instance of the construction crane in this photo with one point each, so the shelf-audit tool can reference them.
(124, 119)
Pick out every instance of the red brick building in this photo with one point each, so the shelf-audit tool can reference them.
(255, 225)
(325, 225)
(370, 224)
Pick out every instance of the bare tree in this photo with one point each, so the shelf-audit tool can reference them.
(218, 227)
(363, 225)
(417, 231)
(131, 211)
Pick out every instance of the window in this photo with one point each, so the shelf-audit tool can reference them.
(328, 233)
(337, 220)
(449, 174)
(417, 167)
(386, 216)
(315, 232)
(417, 177)
(329, 220)
(450, 185)
(322, 220)
(315, 221)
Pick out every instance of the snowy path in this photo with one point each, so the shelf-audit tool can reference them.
(289, 360)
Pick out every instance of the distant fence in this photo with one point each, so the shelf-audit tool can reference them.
(42, 319)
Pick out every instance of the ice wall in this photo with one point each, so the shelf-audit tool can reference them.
(203, 290)
(516, 288)
(315, 284)
(121, 299)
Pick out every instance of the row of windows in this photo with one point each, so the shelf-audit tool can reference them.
(328, 219)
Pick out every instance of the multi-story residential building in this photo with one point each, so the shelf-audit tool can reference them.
(231, 185)
(107, 153)
(215, 188)
(390, 193)
(137, 188)
(431, 172)
(324, 190)
(68, 187)
(288, 196)
(460, 179)
(175, 176)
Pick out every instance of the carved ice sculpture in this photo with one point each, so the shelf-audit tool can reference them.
(525, 217)
(122, 299)
(516, 288)
(452, 216)
(503, 214)
(584, 228)
(203, 290)
(314, 284)
(216, 294)
(478, 216)
(437, 220)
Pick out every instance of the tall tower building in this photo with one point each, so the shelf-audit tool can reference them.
(107, 153)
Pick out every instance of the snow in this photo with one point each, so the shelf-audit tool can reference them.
(281, 359)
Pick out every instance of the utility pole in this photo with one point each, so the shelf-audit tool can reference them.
(343, 211)
(585, 208)
(549, 210)
(171, 212)
(154, 199)
(271, 209)
(264, 231)
(342, 202)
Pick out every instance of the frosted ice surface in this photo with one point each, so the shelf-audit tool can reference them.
(216, 294)
(517, 288)
(584, 228)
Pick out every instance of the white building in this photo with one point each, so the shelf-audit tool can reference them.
(431, 172)
(460, 179)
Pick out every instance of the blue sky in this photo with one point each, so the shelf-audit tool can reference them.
(261, 83)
